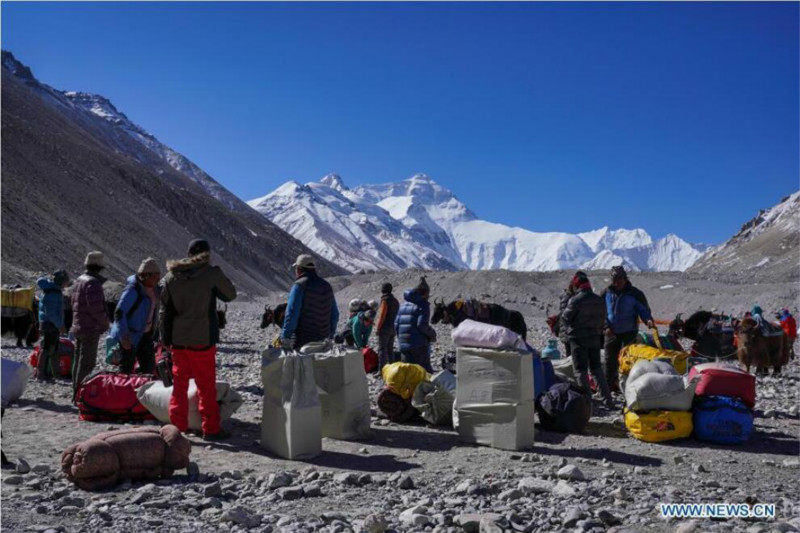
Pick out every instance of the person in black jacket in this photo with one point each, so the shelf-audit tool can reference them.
(387, 312)
(584, 319)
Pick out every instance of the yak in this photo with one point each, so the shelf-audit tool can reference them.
(457, 311)
(273, 316)
(759, 350)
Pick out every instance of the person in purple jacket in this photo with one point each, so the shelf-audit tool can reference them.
(89, 318)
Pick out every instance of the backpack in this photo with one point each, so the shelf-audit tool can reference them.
(722, 420)
(111, 397)
(65, 352)
(564, 408)
(164, 364)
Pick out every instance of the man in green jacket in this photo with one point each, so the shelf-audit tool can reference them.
(361, 328)
(188, 324)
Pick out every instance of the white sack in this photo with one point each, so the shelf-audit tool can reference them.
(14, 380)
(155, 398)
(343, 394)
(479, 335)
(654, 391)
(291, 425)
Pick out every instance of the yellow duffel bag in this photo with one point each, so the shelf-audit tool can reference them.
(659, 426)
(403, 378)
(21, 298)
(632, 353)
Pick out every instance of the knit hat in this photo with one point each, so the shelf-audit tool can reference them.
(305, 261)
(60, 276)
(198, 246)
(757, 310)
(580, 280)
(618, 272)
(95, 259)
(370, 314)
(386, 288)
(422, 286)
(149, 266)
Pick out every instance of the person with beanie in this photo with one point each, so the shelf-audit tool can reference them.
(387, 313)
(360, 327)
(89, 318)
(583, 319)
(51, 322)
(188, 324)
(311, 314)
(625, 306)
(789, 325)
(136, 318)
(412, 324)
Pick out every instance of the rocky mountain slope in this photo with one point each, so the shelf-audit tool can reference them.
(418, 223)
(78, 175)
(767, 247)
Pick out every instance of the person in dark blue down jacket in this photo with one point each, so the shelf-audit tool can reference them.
(51, 320)
(412, 324)
(136, 318)
(625, 305)
(311, 313)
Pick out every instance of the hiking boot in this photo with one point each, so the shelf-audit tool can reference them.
(219, 435)
(193, 432)
(614, 386)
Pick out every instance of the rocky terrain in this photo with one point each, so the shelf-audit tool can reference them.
(410, 478)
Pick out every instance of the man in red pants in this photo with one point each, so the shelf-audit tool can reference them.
(188, 320)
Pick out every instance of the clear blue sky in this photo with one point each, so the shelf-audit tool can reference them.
(677, 118)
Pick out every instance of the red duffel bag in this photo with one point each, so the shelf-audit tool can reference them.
(370, 360)
(65, 352)
(719, 379)
(111, 397)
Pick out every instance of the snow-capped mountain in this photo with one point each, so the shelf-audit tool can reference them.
(419, 223)
(767, 245)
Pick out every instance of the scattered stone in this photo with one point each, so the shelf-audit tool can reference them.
(564, 489)
(22, 466)
(415, 516)
(312, 490)
(700, 469)
(572, 516)
(510, 495)
(678, 459)
(687, 527)
(42, 470)
(346, 478)
(640, 470)
(277, 481)
(608, 519)
(214, 489)
(375, 523)
(571, 472)
(291, 493)
(193, 469)
(14, 480)
(532, 485)
(405, 483)
(241, 516)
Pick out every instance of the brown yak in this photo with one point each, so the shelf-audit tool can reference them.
(756, 349)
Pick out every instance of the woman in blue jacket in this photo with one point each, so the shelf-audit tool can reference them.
(136, 318)
(412, 324)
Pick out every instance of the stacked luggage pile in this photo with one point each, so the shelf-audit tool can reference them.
(713, 401)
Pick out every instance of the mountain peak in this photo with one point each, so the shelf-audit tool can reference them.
(97, 105)
(334, 181)
(13, 65)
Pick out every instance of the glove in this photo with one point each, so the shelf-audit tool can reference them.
(276, 343)
(651, 324)
(287, 344)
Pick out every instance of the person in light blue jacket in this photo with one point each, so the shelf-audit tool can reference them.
(136, 318)
(51, 321)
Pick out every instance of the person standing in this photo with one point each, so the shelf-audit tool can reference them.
(413, 327)
(188, 324)
(789, 325)
(311, 314)
(583, 319)
(625, 305)
(387, 313)
(51, 320)
(89, 317)
(136, 317)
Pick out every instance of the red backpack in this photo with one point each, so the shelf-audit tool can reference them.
(370, 360)
(720, 380)
(111, 397)
(65, 353)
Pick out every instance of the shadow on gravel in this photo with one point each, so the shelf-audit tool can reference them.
(409, 439)
(48, 405)
(363, 463)
(774, 443)
(601, 453)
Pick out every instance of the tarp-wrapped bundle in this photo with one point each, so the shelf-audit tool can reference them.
(656, 385)
(434, 399)
(16, 302)
(155, 397)
(474, 334)
(403, 378)
(343, 394)
(291, 425)
(632, 353)
(136, 453)
(494, 399)
(14, 380)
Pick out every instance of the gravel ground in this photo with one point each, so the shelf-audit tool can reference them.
(413, 477)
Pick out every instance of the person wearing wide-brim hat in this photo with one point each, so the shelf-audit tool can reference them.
(89, 317)
(311, 313)
(136, 318)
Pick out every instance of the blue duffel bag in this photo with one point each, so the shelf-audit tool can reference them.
(722, 420)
